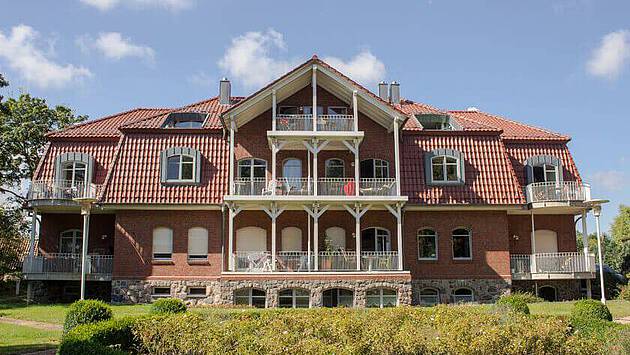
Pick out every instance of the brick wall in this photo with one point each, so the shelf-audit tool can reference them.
(101, 237)
(520, 225)
(134, 239)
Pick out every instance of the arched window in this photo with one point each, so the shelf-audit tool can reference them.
(543, 168)
(338, 297)
(335, 168)
(462, 244)
(294, 298)
(381, 297)
(70, 241)
(197, 243)
(463, 295)
(252, 168)
(429, 297)
(251, 239)
(427, 244)
(291, 239)
(252, 297)
(292, 173)
(374, 169)
(162, 243)
(73, 169)
(335, 238)
(375, 239)
(74, 173)
(444, 166)
(181, 165)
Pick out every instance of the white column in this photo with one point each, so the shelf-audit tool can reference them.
(232, 126)
(231, 265)
(357, 178)
(357, 233)
(274, 153)
(85, 211)
(273, 110)
(397, 153)
(315, 168)
(355, 111)
(597, 212)
(314, 110)
(274, 216)
(399, 236)
(31, 247)
(533, 242)
(316, 237)
(585, 239)
(308, 242)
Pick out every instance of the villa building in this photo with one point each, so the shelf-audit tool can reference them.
(312, 191)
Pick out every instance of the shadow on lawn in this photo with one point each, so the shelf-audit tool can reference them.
(25, 348)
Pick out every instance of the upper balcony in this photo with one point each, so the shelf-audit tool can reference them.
(549, 194)
(60, 192)
(544, 266)
(325, 123)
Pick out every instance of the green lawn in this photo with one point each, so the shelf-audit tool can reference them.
(20, 339)
(617, 308)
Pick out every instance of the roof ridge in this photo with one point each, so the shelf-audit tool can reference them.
(559, 135)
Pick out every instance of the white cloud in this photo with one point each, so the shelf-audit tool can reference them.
(113, 46)
(253, 59)
(608, 60)
(611, 180)
(171, 5)
(363, 67)
(21, 52)
(250, 58)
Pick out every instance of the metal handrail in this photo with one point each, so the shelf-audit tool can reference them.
(557, 191)
(561, 262)
(61, 190)
(67, 263)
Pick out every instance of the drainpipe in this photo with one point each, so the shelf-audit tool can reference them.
(222, 236)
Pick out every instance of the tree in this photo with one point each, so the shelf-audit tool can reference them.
(23, 126)
(13, 229)
(3, 83)
(620, 230)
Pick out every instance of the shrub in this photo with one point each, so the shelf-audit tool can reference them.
(110, 337)
(85, 312)
(588, 310)
(168, 305)
(624, 294)
(528, 297)
(514, 303)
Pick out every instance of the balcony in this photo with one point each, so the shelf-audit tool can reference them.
(65, 266)
(329, 261)
(563, 191)
(568, 265)
(44, 192)
(304, 187)
(325, 123)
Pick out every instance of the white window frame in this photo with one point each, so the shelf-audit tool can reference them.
(294, 297)
(76, 235)
(73, 166)
(249, 296)
(435, 240)
(205, 294)
(422, 298)
(379, 164)
(385, 233)
(470, 248)
(252, 166)
(444, 165)
(380, 296)
(196, 256)
(160, 295)
(180, 164)
(463, 298)
(548, 168)
(337, 107)
(153, 253)
(328, 164)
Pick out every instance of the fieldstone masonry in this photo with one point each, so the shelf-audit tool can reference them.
(565, 289)
(484, 290)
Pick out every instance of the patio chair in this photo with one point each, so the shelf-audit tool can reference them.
(271, 187)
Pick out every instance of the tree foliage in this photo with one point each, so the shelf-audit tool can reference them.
(12, 231)
(23, 126)
(620, 228)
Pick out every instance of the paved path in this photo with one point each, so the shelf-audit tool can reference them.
(624, 320)
(32, 324)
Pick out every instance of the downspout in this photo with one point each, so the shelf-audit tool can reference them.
(222, 236)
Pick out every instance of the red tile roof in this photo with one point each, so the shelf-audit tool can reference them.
(416, 108)
(488, 173)
(511, 129)
(519, 152)
(135, 178)
(106, 127)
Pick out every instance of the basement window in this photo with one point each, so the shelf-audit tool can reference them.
(197, 292)
(161, 292)
(185, 120)
(437, 122)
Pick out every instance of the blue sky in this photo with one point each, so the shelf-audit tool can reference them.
(560, 64)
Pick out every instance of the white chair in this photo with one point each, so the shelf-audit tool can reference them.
(271, 187)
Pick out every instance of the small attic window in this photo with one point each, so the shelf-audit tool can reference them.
(185, 120)
(437, 122)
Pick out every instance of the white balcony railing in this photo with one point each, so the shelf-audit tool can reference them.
(304, 187)
(61, 190)
(562, 191)
(552, 263)
(252, 261)
(325, 123)
(337, 261)
(67, 263)
(379, 260)
(302, 261)
(294, 261)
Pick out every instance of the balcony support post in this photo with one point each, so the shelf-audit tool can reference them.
(357, 212)
(399, 237)
(354, 148)
(533, 241)
(397, 152)
(34, 227)
(315, 211)
(355, 111)
(273, 212)
(315, 147)
(275, 148)
(85, 212)
(585, 246)
(597, 212)
(232, 212)
(273, 110)
(314, 108)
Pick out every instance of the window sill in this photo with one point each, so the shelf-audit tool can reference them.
(198, 262)
(428, 259)
(181, 183)
(196, 296)
(162, 262)
(462, 260)
(446, 183)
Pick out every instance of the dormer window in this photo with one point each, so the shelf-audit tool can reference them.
(74, 173)
(73, 169)
(543, 168)
(185, 120)
(180, 166)
(437, 122)
(444, 167)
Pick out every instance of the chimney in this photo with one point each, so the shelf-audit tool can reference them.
(394, 92)
(225, 91)
(382, 90)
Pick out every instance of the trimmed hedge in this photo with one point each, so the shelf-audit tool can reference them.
(514, 303)
(527, 297)
(401, 330)
(589, 310)
(168, 306)
(85, 312)
(110, 337)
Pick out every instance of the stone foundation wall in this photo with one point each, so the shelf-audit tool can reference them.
(565, 289)
(484, 290)
(141, 291)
